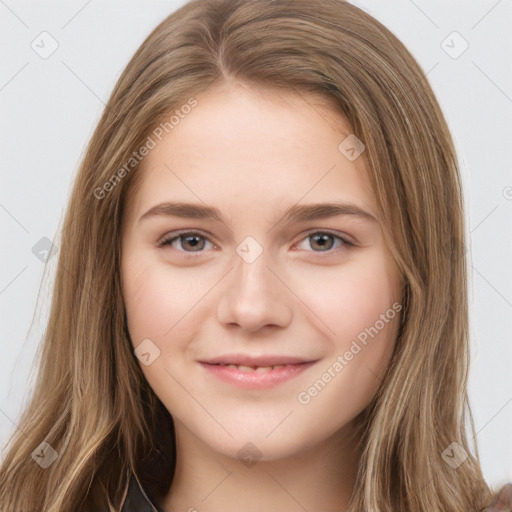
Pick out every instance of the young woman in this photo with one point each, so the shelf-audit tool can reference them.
(261, 299)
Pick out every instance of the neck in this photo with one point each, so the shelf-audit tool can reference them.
(319, 478)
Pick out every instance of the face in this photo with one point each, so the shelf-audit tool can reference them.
(263, 280)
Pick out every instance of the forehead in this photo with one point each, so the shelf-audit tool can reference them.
(249, 151)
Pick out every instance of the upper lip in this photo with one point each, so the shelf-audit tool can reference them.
(263, 360)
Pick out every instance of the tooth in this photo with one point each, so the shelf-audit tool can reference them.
(263, 369)
(245, 369)
(259, 369)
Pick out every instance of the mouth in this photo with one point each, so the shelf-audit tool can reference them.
(255, 376)
(259, 369)
(261, 361)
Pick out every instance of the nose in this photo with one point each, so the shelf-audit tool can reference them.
(255, 296)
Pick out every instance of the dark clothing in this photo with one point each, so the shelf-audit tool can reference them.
(155, 471)
(137, 499)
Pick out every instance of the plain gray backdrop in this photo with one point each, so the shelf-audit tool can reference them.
(50, 104)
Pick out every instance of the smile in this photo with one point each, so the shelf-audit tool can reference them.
(255, 377)
(260, 369)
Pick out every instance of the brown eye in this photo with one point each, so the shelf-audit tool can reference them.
(324, 241)
(187, 242)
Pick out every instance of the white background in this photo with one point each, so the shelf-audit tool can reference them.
(49, 108)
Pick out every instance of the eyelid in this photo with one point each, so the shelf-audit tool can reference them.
(173, 235)
(169, 238)
(349, 240)
(345, 239)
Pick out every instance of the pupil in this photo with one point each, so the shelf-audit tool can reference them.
(321, 237)
(189, 238)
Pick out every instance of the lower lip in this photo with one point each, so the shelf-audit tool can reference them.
(253, 379)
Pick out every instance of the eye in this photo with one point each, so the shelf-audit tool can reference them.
(191, 239)
(320, 239)
(196, 242)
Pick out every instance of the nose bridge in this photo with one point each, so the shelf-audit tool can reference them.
(252, 275)
(255, 296)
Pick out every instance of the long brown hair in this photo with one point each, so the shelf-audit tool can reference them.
(92, 404)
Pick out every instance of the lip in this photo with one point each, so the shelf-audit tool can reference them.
(263, 360)
(288, 368)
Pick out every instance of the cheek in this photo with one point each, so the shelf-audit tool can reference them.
(353, 307)
(359, 310)
(163, 304)
(157, 301)
(145, 300)
(150, 297)
(348, 299)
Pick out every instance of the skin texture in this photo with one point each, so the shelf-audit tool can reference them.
(252, 154)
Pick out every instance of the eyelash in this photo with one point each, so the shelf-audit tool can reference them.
(168, 239)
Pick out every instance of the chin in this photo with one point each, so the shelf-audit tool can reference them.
(253, 444)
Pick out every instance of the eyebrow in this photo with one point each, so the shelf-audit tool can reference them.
(297, 213)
